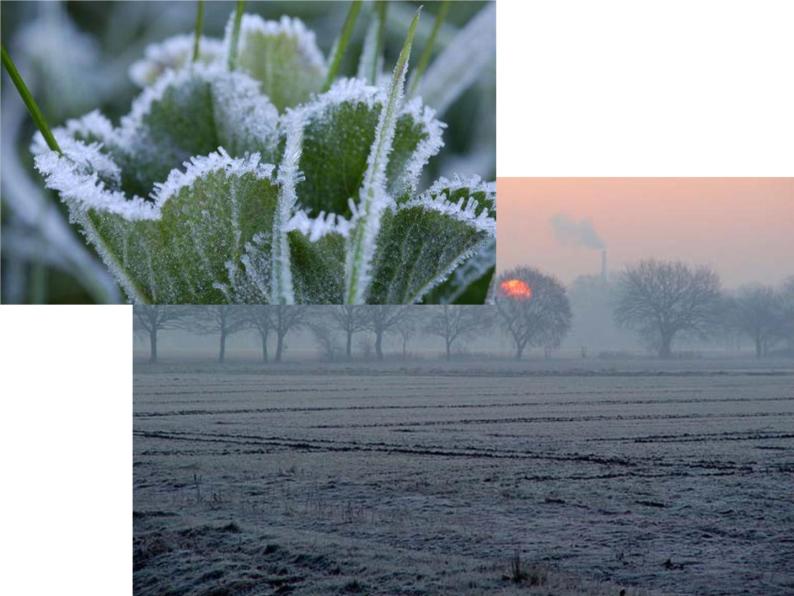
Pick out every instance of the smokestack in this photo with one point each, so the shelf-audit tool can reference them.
(604, 266)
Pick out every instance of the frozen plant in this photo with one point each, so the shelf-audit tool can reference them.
(296, 185)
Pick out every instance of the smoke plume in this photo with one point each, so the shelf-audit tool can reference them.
(578, 233)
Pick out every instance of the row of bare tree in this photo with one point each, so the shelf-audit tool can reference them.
(665, 300)
(662, 301)
(451, 323)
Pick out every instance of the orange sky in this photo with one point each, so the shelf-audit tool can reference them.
(743, 227)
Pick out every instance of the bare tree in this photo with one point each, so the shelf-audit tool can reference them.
(153, 318)
(787, 298)
(757, 312)
(322, 330)
(380, 320)
(533, 308)
(407, 326)
(455, 322)
(285, 318)
(662, 299)
(223, 319)
(260, 318)
(350, 319)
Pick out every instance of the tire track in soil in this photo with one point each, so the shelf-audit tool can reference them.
(699, 437)
(538, 419)
(328, 445)
(279, 410)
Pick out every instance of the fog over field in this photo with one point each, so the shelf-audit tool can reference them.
(564, 472)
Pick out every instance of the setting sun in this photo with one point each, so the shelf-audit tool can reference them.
(516, 288)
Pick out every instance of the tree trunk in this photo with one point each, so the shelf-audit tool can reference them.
(519, 351)
(222, 351)
(379, 345)
(349, 345)
(279, 346)
(264, 347)
(153, 345)
(665, 349)
(449, 349)
(405, 348)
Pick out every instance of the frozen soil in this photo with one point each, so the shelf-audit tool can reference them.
(430, 479)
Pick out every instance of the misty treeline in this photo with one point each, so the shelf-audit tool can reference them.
(665, 302)
(662, 302)
(334, 328)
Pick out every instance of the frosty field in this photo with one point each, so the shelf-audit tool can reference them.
(428, 478)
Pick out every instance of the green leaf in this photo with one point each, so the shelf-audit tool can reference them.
(186, 247)
(425, 239)
(191, 112)
(469, 283)
(284, 57)
(318, 268)
(338, 133)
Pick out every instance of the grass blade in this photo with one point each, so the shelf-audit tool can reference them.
(371, 60)
(461, 62)
(30, 103)
(373, 196)
(199, 28)
(341, 44)
(382, 8)
(424, 59)
(235, 41)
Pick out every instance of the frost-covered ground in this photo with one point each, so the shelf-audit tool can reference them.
(427, 478)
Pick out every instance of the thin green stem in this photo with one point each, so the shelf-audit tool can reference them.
(235, 41)
(38, 283)
(382, 8)
(341, 43)
(30, 103)
(199, 29)
(427, 53)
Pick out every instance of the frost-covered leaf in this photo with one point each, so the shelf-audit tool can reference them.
(317, 204)
(192, 112)
(282, 55)
(173, 54)
(338, 132)
(176, 248)
(470, 282)
(425, 239)
(318, 268)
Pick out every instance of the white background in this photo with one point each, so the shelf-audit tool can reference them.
(607, 87)
(645, 88)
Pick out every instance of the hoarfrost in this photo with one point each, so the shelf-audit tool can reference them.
(173, 54)
(200, 166)
(86, 190)
(257, 262)
(315, 228)
(466, 209)
(288, 175)
(286, 26)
